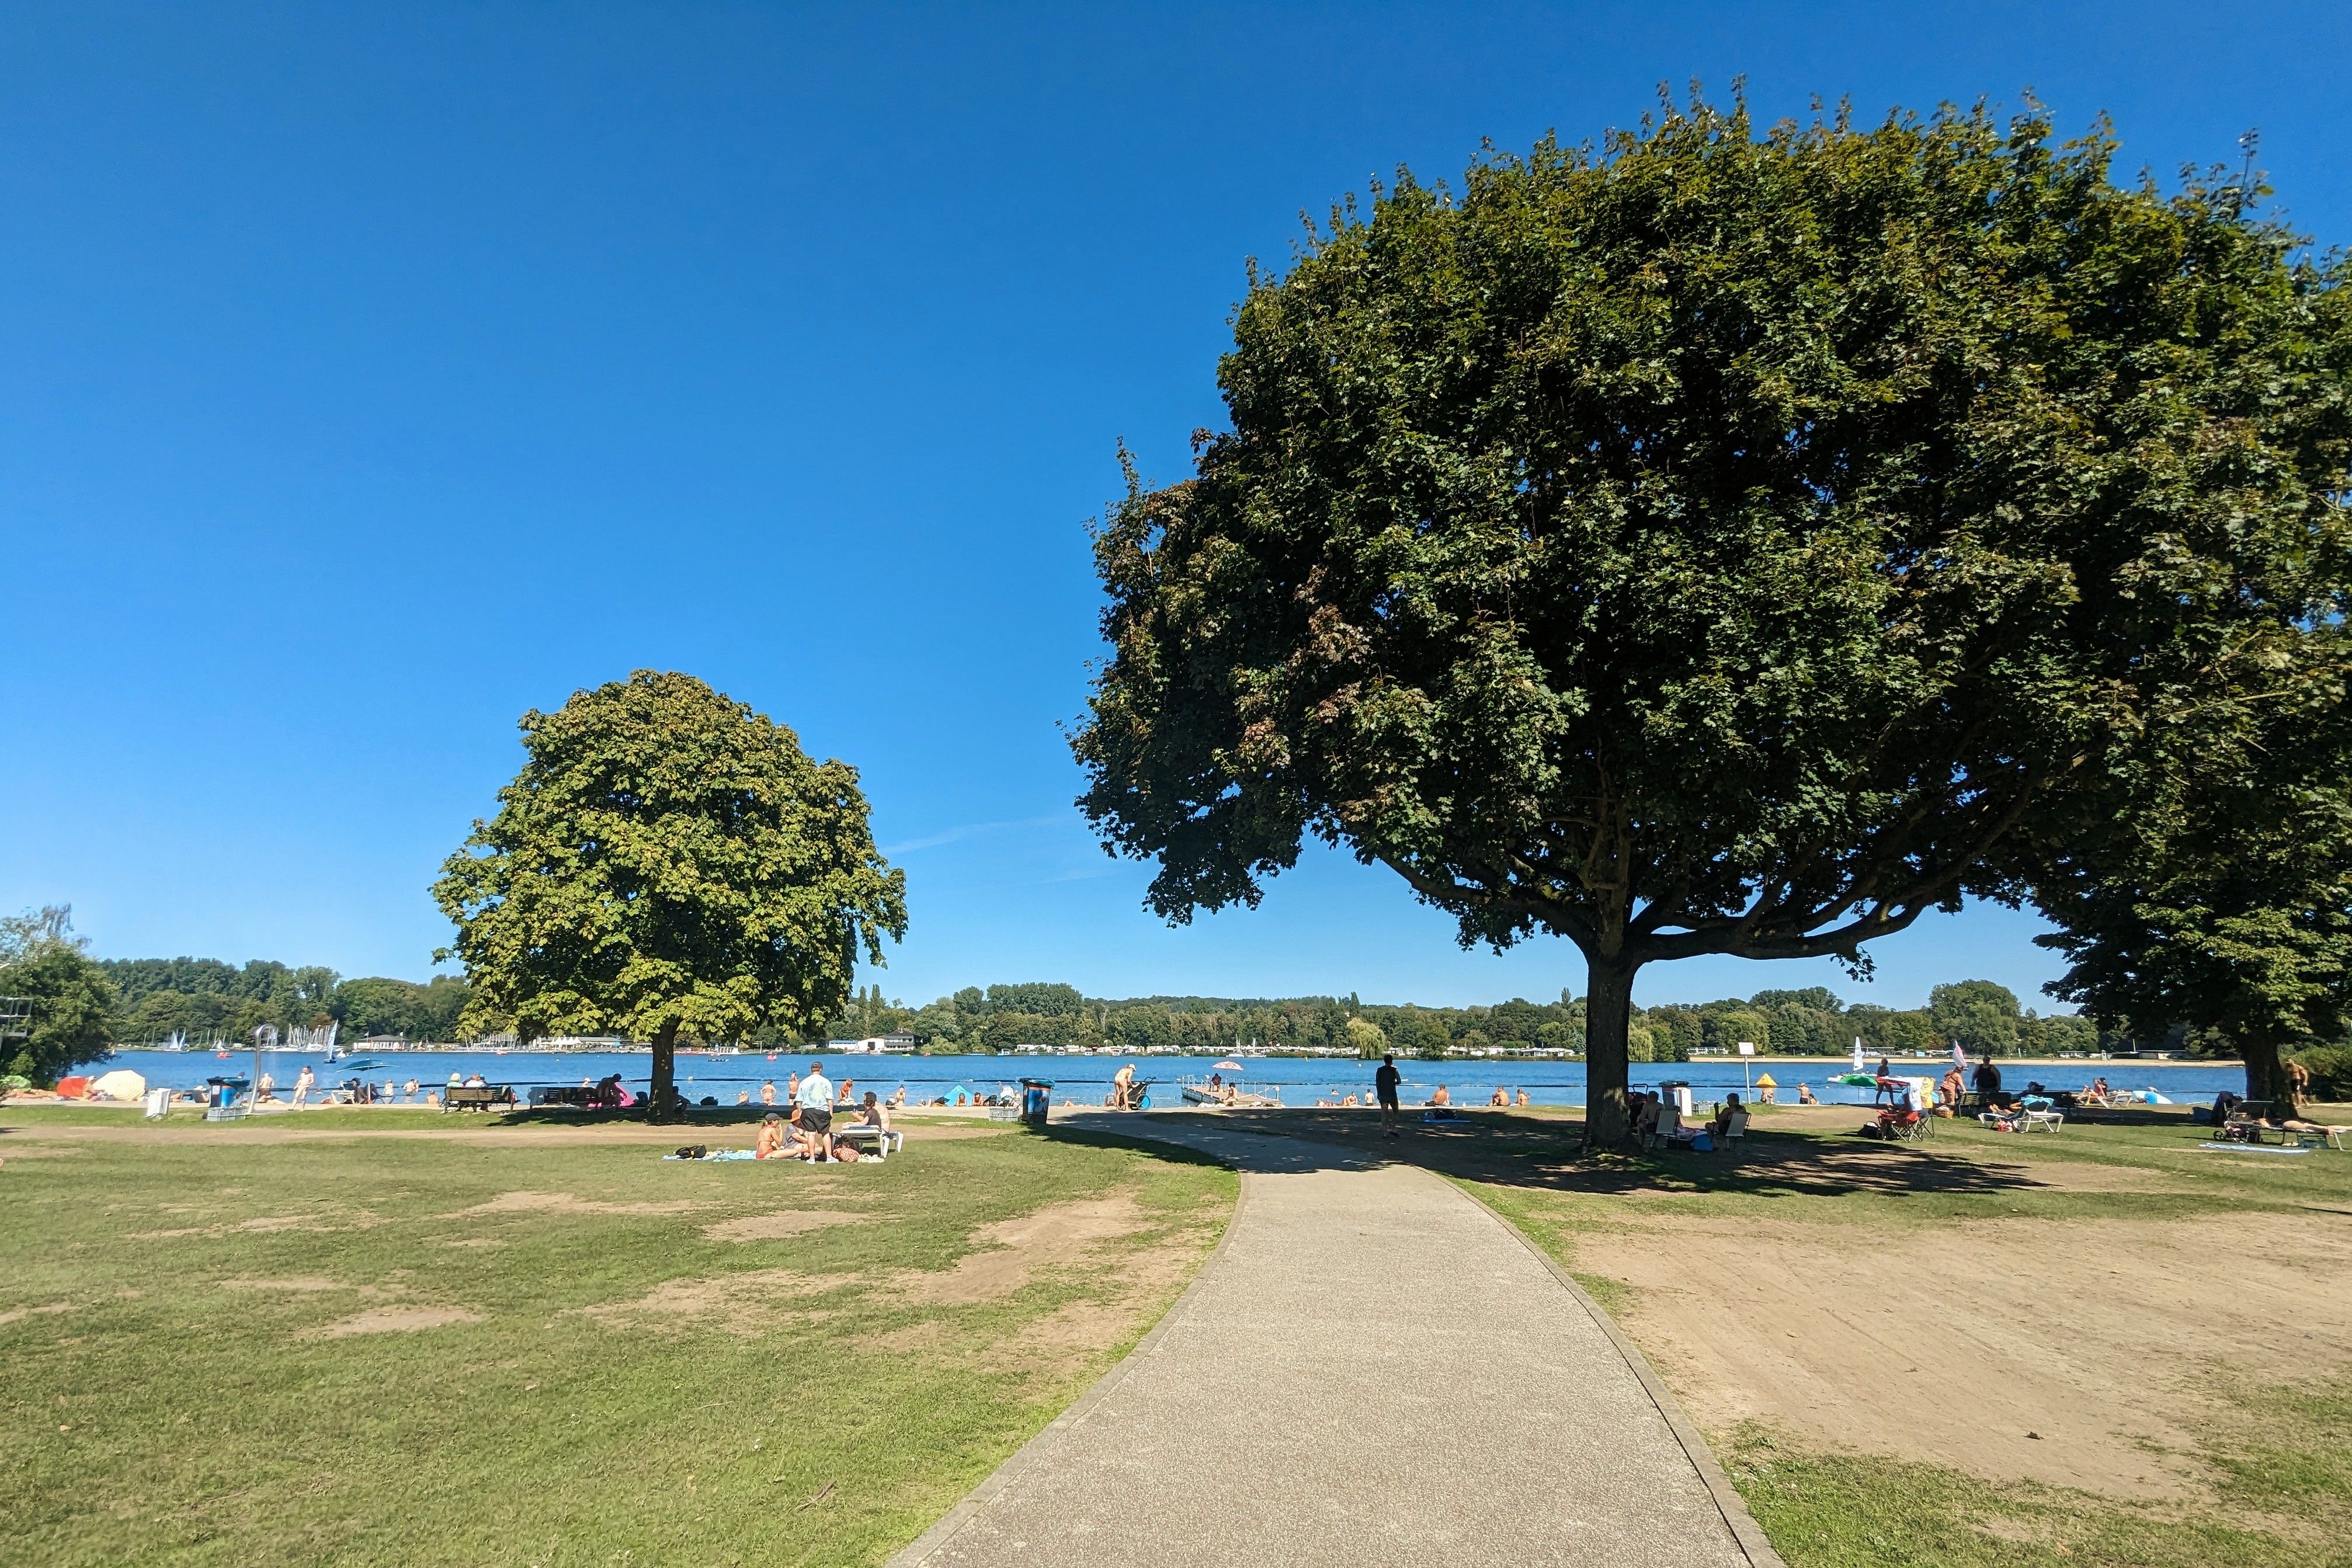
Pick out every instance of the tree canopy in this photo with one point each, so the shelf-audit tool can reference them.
(72, 1004)
(2222, 900)
(667, 860)
(1715, 543)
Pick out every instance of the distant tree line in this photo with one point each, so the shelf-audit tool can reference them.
(206, 1000)
(80, 1005)
(1984, 1018)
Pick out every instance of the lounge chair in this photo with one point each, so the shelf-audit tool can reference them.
(2034, 1121)
(870, 1139)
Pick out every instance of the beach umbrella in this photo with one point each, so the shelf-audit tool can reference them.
(1857, 1080)
(120, 1084)
(1764, 1080)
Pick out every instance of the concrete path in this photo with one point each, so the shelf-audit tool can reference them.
(1373, 1370)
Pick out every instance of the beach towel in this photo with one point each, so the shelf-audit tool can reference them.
(2255, 1149)
(716, 1154)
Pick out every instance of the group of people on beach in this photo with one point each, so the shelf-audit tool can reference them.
(805, 1132)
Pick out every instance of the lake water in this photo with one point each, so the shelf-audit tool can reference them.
(1300, 1081)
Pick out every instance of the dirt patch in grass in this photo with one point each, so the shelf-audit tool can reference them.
(748, 1303)
(779, 1226)
(526, 1202)
(1009, 1252)
(14, 1314)
(2059, 1351)
(396, 1319)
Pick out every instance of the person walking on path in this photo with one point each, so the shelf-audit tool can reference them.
(1384, 1085)
(817, 1112)
(302, 1081)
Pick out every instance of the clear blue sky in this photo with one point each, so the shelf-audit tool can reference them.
(371, 374)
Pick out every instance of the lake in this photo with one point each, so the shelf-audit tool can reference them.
(1300, 1081)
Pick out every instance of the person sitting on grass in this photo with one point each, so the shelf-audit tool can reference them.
(848, 1095)
(1501, 1096)
(897, 1101)
(771, 1145)
(1443, 1097)
(1523, 1098)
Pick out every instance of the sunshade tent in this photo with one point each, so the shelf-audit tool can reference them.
(120, 1084)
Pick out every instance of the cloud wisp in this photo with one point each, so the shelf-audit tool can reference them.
(968, 830)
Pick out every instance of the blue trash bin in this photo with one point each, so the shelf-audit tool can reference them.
(1036, 1099)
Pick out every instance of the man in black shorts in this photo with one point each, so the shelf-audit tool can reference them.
(1384, 1085)
(816, 1112)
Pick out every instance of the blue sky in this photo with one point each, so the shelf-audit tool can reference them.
(369, 375)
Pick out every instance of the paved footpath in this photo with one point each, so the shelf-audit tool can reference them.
(1373, 1370)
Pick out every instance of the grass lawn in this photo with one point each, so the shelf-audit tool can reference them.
(378, 1339)
(2102, 1347)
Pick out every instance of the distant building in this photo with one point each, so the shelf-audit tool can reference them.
(874, 1045)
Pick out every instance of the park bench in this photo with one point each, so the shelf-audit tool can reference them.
(478, 1099)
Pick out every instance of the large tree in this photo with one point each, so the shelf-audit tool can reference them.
(2222, 898)
(1718, 543)
(668, 862)
(72, 1004)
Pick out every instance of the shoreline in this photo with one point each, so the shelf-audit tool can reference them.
(1939, 1060)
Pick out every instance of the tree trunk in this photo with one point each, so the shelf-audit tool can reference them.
(2265, 1073)
(1608, 1013)
(665, 1072)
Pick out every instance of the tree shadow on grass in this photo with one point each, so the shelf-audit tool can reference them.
(1545, 1153)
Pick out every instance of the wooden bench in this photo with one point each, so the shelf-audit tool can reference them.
(477, 1099)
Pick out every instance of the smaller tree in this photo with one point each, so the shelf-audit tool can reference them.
(668, 862)
(1366, 1037)
(72, 1002)
(1978, 1015)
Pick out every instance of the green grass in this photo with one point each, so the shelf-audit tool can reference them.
(166, 1402)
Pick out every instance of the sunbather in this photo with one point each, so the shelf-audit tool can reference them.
(1722, 1118)
(2297, 1124)
(1523, 1097)
(1441, 1097)
(1501, 1096)
(1805, 1095)
(873, 1113)
(771, 1139)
